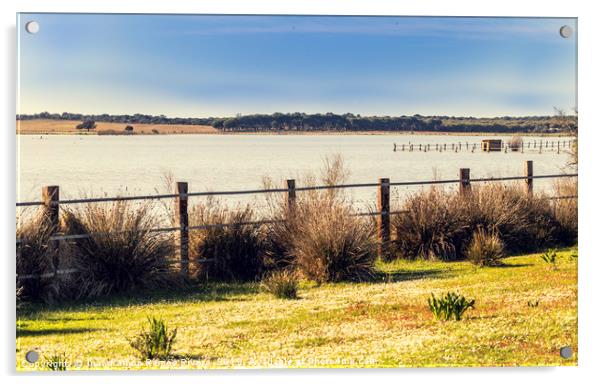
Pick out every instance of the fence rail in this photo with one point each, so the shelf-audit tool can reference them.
(50, 204)
(529, 145)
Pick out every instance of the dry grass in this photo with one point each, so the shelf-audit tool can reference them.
(485, 249)
(439, 224)
(43, 127)
(121, 254)
(320, 236)
(236, 250)
(38, 256)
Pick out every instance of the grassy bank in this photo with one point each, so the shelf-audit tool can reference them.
(385, 322)
(68, 127)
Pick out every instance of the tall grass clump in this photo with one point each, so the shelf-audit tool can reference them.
(234, 252)
(36, 258)
(121, 253)
(281, 283)
(156, 341)
(485, 249)
(439, 224)
(434, 226)
(318, 234)
(565, 209)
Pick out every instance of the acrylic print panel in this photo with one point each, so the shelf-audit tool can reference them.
(205, 191)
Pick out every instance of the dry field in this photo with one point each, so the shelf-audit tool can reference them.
(44, 127)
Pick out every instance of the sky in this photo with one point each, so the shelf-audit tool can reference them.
(203, 65)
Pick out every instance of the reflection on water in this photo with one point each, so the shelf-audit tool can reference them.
(111, 165)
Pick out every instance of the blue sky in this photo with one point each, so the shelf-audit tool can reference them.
(199, 66)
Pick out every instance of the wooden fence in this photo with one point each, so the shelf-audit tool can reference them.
(50, 205)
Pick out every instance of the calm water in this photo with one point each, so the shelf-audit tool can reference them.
(111, 165)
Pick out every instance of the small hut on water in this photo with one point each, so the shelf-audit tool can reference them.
(491, 145)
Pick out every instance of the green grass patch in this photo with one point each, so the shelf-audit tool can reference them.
(385, 322)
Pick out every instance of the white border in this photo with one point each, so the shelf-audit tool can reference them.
(590, 259)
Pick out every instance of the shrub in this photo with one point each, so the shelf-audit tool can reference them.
(331, 245)
(35, 261)
(235, 250)
(155, 342)
(439, 224)
(121, 252)
(485, 249)
(283, 284)
(434, 226)
(319, 236)
(549, 257)
(565, 210)
(450, 306)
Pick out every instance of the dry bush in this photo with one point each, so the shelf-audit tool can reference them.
(281, 283)
(524, 223)
(319, 236)
(121, 253)
(566, 209)
(36, 257)
(440, 224)
(434, 226)
(485, 249)
(332, 245)
(235, 251)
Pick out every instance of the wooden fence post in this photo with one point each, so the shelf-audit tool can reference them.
(291, 195)
(529, 177)
(464, 180)
(50, 199)
(383, 219)
(182, 221)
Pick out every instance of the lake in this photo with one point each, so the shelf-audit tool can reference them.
(129, 165)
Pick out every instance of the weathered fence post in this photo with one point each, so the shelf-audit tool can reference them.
(529, 177)
(182, 221)
(383, 219)
(464, 180)
(50, 199)
(291, 195)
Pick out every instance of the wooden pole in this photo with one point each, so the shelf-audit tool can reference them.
(464, 180)
(182, 221)
(383, 219)
(291, 195)
(50, 199)
(529, 177)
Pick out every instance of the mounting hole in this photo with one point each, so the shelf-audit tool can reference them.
(566, 352)
(32, 356)
(566, 31)
(32, 27)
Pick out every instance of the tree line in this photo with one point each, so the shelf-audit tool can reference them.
(282, 122)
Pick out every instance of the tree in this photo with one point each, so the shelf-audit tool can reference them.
(87, 124)
(129, 128)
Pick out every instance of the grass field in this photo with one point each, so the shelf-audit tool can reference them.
(40, 127)
(385, 323)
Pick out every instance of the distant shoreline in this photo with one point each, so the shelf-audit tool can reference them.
(67, 127)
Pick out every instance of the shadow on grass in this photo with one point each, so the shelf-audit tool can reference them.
(398, 276)
(53, 331)
(202, 292)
